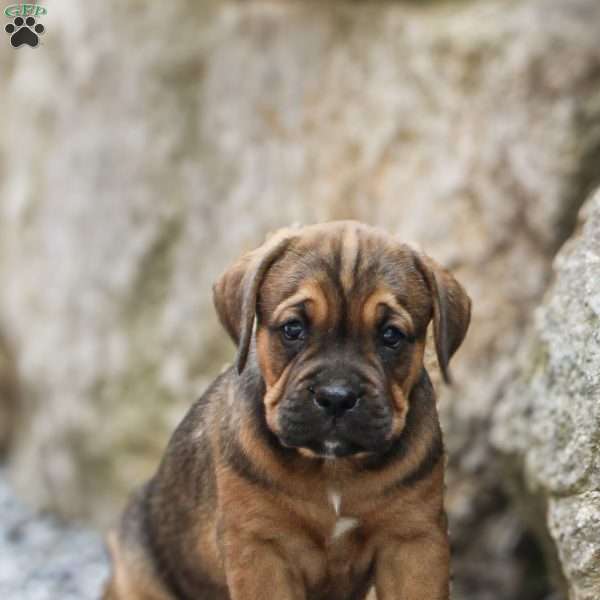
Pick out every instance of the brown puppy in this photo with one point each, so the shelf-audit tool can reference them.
(313, 469)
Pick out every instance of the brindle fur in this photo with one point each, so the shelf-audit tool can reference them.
(240, 508)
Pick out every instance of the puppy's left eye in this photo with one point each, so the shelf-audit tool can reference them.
(391, 337)
(293, 330)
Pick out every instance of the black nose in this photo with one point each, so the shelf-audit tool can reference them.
(336, 399)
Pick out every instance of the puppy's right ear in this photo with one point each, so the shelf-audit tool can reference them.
(235, 293)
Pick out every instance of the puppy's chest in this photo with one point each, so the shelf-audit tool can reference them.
(345, 549)
(338, 566)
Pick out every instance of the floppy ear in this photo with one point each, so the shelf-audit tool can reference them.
(236, 292)
(451, 311)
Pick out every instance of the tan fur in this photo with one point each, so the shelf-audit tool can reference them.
(131, 578)
(350, 247)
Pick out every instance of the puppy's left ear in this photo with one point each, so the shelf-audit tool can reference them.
(451, 311)
(235, 293)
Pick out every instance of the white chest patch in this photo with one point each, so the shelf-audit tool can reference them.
(342, 524)
(336, 500)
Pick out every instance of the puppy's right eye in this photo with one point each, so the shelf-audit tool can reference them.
(293, 330)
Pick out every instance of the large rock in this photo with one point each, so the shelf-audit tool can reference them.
(548, 423)
(150, 144)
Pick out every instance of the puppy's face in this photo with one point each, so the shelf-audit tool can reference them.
(341, 314)
(341, 320)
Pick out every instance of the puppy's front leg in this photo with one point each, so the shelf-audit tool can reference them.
(415, 568)
(257, 571)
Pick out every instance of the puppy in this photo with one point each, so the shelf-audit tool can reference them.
(313, 468)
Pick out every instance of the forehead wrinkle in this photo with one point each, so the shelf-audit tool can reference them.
(310, 294)
(382, 297)
(293, 302)
(321, 272)
(349, 257)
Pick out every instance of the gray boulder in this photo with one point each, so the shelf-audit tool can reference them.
(548, 422)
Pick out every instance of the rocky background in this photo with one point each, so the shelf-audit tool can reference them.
(144, 146)
(43, 558)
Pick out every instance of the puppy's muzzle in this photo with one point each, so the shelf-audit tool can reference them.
(335, 410)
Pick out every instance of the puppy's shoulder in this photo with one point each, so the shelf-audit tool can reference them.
(203, 413)
(190, 448)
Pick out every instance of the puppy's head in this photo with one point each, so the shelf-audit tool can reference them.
(336, 317)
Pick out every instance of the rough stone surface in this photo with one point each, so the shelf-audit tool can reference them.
(548, 423)
(42, 559)
(159, 141)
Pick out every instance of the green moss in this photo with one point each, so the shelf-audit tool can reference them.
(539, 357)
(134, 421)
(151, 283)
(135, 413)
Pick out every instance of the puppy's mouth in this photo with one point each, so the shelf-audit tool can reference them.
(332, 442)
(330, 448)
(333, 448)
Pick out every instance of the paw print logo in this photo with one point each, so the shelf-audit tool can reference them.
(24, 31)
